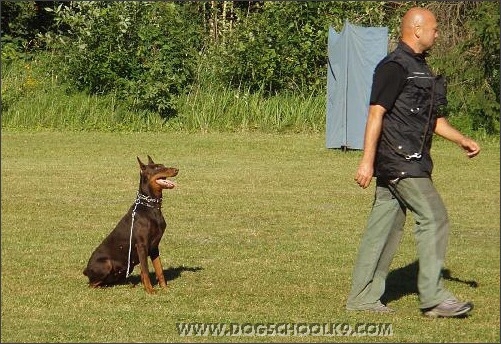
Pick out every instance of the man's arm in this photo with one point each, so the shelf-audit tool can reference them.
(447, 131)
(373, 129)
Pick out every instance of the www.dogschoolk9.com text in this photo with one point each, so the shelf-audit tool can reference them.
(284, 329)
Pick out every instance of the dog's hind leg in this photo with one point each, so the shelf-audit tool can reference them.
(159, 272)
(143, 262)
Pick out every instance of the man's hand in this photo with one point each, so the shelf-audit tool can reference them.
(364, 175)
(447, 131)
(471, 147)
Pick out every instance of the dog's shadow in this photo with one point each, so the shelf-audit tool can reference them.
(170, 274)
(403, 281)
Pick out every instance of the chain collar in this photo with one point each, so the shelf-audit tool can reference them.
(148, 201)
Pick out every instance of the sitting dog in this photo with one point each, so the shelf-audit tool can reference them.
(137, 234)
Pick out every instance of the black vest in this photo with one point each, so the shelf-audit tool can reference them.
(406, 137)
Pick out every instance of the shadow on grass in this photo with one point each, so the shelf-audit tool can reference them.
(173, 273)
(403, 281)
(170, 274)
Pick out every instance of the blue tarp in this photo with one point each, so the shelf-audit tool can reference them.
(353, 54)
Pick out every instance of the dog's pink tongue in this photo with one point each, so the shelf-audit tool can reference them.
(165, 183)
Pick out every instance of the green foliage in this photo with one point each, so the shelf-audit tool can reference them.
(144, 52)
(22, 78)
(213, 108)
(22, 21)
(152, 56)
(33, 99)
(16, 17)
(474, 83)
(282, 46)
(485, 38)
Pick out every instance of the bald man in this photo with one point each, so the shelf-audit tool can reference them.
(406, 110)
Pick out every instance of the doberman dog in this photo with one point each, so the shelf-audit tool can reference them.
(137, 235)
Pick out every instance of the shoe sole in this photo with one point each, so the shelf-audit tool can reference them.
(435, 314)
(373, 310)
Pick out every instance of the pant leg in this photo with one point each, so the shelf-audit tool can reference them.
(431, 233)
(378, 245)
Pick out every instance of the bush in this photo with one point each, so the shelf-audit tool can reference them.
(282, 47)
(278, 48)
(144, 52)
(149, 55)
(473, 93)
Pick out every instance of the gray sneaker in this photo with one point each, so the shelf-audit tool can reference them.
(449, 308)
(377, 308)
(380, 308)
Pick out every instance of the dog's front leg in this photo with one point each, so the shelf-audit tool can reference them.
(157, 265)
(143, 263)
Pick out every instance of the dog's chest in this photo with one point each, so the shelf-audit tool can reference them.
(157, 222)
(158, 226)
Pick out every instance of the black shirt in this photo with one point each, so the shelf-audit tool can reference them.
(388, 82)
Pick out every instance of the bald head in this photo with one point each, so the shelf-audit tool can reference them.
(419, 29)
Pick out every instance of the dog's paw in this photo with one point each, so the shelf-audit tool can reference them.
(150, 291)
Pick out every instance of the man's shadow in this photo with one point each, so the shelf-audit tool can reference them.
(403, 281)
(170, 274)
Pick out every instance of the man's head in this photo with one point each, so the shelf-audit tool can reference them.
(419, 29)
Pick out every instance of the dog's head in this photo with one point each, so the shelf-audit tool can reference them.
(98, 270)
(154, 177)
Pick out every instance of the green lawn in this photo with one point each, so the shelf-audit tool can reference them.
(262, 228)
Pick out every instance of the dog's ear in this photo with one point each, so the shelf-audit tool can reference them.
(143, 166)
(150, 160)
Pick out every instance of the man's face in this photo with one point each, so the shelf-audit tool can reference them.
(429, 33)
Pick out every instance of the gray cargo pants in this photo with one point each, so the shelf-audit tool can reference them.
(383, 234)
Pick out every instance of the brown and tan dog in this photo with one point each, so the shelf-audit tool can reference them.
(137, 235)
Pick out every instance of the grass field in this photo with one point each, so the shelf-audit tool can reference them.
(262, 228)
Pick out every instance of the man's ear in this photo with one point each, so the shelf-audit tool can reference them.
(418, 30)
